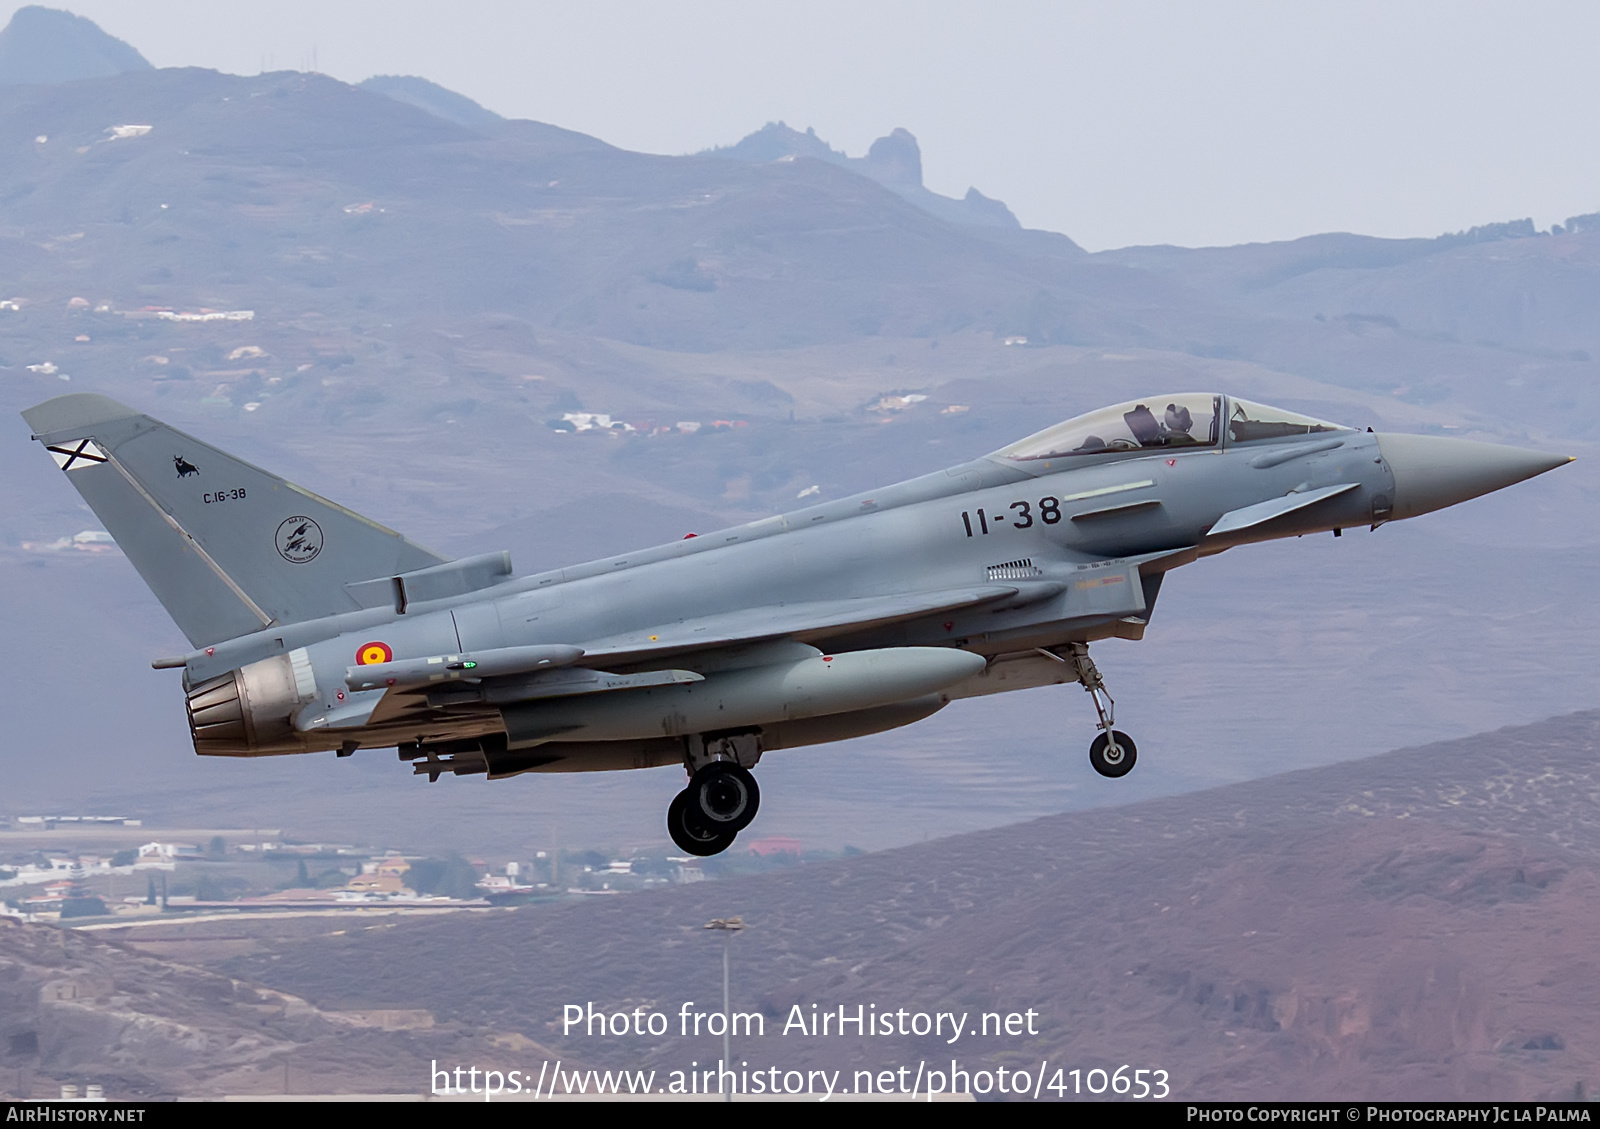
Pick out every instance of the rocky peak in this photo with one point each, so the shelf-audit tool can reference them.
(896, 160)
(44, 45)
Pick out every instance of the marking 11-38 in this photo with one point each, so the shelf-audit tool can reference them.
(1049, 513)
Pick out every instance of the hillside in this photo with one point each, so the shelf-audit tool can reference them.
(1414, 925)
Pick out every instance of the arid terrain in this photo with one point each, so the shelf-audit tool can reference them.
(1415, 925)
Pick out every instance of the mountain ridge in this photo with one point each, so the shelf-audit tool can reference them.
(894, 161)
(46, 46)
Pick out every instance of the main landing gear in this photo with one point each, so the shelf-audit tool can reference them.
(1113, 752)
(722, 797)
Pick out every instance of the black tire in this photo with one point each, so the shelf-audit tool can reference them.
(1116, 764)
(723, 797)
(691, 838)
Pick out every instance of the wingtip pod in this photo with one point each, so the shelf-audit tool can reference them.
(1435, 471)
(73, 413)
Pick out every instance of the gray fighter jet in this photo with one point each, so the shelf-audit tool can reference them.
(316, 629)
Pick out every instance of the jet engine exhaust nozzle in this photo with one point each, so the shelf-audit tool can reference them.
(245, 713)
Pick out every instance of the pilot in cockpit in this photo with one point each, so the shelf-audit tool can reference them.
(1150, 432)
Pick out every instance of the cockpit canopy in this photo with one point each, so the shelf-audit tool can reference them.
(1190, 419)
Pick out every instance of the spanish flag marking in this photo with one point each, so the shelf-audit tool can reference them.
(369, 654)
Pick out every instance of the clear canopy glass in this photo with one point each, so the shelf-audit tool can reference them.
(1187, 420)
(1247, 421)
(1190, 419)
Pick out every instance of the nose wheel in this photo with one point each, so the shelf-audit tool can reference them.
(721, 800)
(1112, 753)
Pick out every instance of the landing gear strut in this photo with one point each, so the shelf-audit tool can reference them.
(722, 797)
(1112, 753)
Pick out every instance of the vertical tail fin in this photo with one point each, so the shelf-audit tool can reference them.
(226, 547)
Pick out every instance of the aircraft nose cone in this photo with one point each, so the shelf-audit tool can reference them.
(1434, 471)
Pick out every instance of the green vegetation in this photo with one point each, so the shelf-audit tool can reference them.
(453, 877)
(746, 862)
(650, 866)
(83, 907)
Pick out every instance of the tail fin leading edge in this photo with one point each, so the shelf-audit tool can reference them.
(226, 547)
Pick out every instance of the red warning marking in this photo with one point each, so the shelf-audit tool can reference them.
(1172, 462)
(369, 654)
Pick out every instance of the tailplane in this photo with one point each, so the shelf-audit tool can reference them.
(226, 547)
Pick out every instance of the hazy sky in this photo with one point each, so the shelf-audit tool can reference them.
(1117, 123)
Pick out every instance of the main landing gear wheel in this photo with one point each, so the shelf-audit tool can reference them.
(691, 838)
(723, 797)
(1113, 754)
(719, 802)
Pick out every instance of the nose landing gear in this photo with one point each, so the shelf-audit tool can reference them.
(1112, 753)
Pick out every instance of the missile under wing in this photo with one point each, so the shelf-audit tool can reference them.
(313, 628)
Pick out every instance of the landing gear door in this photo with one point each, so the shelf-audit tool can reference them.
(1112, 589)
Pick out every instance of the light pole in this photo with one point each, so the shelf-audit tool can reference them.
(728, 927)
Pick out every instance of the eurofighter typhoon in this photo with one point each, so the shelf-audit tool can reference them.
(315, 629)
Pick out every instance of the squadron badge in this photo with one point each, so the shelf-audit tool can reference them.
(299, 540)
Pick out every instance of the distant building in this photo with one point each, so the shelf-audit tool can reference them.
(165, 852)
(894, 403)
(376, 884)
(589, 421)
(393, 866)
(492, 884)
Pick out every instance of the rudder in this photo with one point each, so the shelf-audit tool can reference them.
(225, 546)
